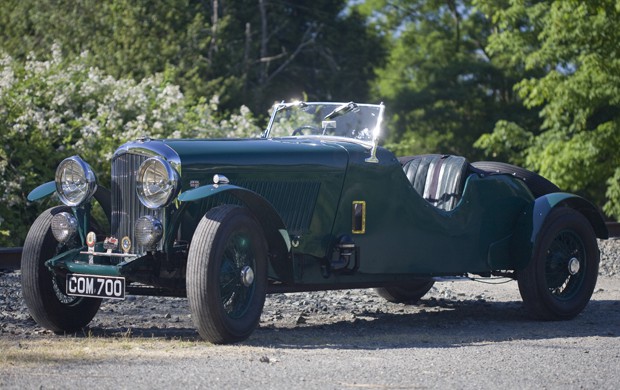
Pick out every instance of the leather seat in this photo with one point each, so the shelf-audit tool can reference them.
(437, 178)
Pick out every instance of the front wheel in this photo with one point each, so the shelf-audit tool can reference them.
(560, 278)
(42, 290)
(227, 274)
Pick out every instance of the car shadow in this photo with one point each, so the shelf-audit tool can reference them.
(457, 324)
(435, 325)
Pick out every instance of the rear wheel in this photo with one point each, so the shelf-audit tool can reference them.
(560, 278)
(536, 183)
(227, 274)
(43, 291)
(410, 293)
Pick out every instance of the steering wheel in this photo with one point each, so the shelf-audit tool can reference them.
(313, 130)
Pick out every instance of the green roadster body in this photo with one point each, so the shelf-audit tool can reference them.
(315, 203)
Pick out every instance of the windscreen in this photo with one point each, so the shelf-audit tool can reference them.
(349, 120)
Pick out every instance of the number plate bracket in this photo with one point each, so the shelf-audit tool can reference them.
(95, 286)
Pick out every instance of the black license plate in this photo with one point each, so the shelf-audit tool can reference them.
(94, 286)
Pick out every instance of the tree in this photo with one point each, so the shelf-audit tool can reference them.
(250, 52)
(442, 86)
(573, 47)
(314, 49)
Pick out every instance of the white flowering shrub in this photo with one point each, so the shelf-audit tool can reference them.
(53, 109)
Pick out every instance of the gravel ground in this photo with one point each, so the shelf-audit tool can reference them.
(461, 335)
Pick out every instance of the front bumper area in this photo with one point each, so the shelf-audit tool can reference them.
(145, 275)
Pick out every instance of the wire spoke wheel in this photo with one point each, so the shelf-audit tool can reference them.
(566, 260)
(236, 295)
(560, 278)
(62, 297)
(42, 290)
(227, 274)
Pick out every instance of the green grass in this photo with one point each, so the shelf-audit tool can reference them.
(62, 350)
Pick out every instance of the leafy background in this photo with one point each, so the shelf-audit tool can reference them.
(534, 83)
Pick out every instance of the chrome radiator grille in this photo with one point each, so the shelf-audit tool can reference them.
(126, 207)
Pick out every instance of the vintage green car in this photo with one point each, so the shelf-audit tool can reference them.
(313, 204)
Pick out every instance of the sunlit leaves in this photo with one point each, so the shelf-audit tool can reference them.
(440, 83)
(573, 45)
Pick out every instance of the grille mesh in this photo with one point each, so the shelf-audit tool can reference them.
(294, 201)
(126, 207)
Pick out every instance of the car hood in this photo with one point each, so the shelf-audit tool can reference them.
(244, 159)
(254, 153)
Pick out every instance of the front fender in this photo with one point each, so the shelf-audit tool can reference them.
(42, 191)
(102, 195)
(277, 236)
(533, 218)
(273, 226)
(260, 206)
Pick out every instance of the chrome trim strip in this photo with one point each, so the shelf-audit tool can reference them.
(106, 254)
(151, 148)
(126, 207)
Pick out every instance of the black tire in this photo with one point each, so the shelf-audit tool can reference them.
(224, 307)
(550, 289)
(410, 293)
(537, 184)
(43, 292)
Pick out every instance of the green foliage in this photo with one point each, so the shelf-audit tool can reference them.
(507, 142)
(442, 87)
(250, 52)
(125, 38)
(612, 207)
(53, 109)
(572, 45)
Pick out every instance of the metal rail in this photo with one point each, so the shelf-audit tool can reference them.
(10, 258)
(613, 228)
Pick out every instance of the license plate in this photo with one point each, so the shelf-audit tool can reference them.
(94, 286)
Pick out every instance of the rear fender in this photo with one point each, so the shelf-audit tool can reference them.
(532, 220)
(277, 236)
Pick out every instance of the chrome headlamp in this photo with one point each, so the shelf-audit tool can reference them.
(75, 181)
(156, 183)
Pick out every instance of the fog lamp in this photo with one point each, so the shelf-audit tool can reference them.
(64, 226)
(148, 231)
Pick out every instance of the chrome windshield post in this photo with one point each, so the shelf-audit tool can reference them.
(376, 132)
(276, 108)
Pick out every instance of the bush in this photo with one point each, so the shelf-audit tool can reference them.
(52, 109)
